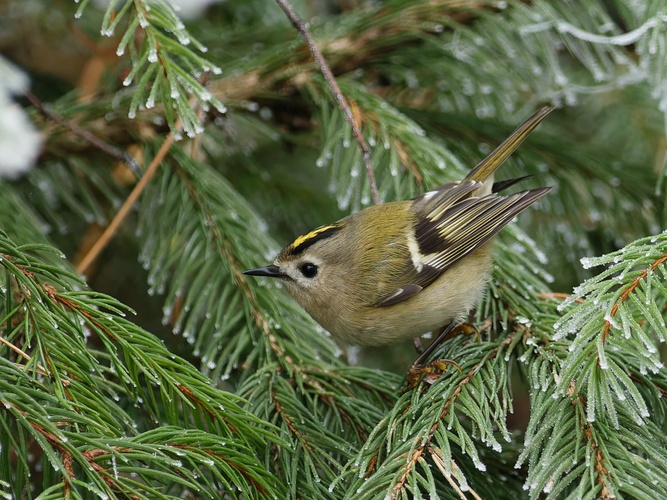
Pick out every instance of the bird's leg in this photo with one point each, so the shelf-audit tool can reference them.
(417, 372)
(418, 345)
(442, 336)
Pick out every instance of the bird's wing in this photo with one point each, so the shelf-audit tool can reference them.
(449, 225)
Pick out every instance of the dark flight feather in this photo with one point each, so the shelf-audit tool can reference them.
(453, 228)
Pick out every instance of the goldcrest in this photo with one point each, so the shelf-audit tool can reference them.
(398, 270)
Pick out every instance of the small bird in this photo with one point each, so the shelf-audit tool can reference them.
(397, 270)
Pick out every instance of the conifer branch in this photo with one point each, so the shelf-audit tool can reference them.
(164, 65)
(104, 239)
(397, 491)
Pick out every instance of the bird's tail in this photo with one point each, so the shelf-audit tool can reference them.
(485, 169)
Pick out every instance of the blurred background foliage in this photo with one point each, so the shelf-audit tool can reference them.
(218, 385)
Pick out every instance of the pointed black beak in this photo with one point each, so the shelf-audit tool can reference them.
(270, 271)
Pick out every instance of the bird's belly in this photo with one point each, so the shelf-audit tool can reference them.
(430, 309)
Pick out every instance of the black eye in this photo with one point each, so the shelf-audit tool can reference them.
(308, 269)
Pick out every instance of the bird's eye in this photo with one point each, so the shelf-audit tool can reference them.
(308, 269)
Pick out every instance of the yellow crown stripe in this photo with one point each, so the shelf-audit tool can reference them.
(304, 238)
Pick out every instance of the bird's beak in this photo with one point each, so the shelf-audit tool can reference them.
(271, 271)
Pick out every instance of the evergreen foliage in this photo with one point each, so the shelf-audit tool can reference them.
(562, 393)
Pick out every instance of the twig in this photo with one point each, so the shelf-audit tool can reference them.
(626, 292)
(111, 229)
(40, 368)
(302, 28)
(558, 296)
(84, 134)
(440, 464)
(288, 421)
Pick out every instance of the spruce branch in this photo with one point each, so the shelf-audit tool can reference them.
(627, 299)
(629, 290)
(70, 399)
(211, 248)
(583, 387)
(164, 65)
(407, 162)
(108, 233)
(66, 192)
(425, 422)
(566, 451)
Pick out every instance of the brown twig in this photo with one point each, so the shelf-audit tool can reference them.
(84, 134)
(554, 295)
(111, 229)
(288, 421)
(628, 291)
(39, 368)
(601, 471)
(302, 28)
(436, 456)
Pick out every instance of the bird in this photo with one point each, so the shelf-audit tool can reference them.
(397, 270)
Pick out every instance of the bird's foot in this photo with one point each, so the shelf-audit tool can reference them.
(429, 373)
